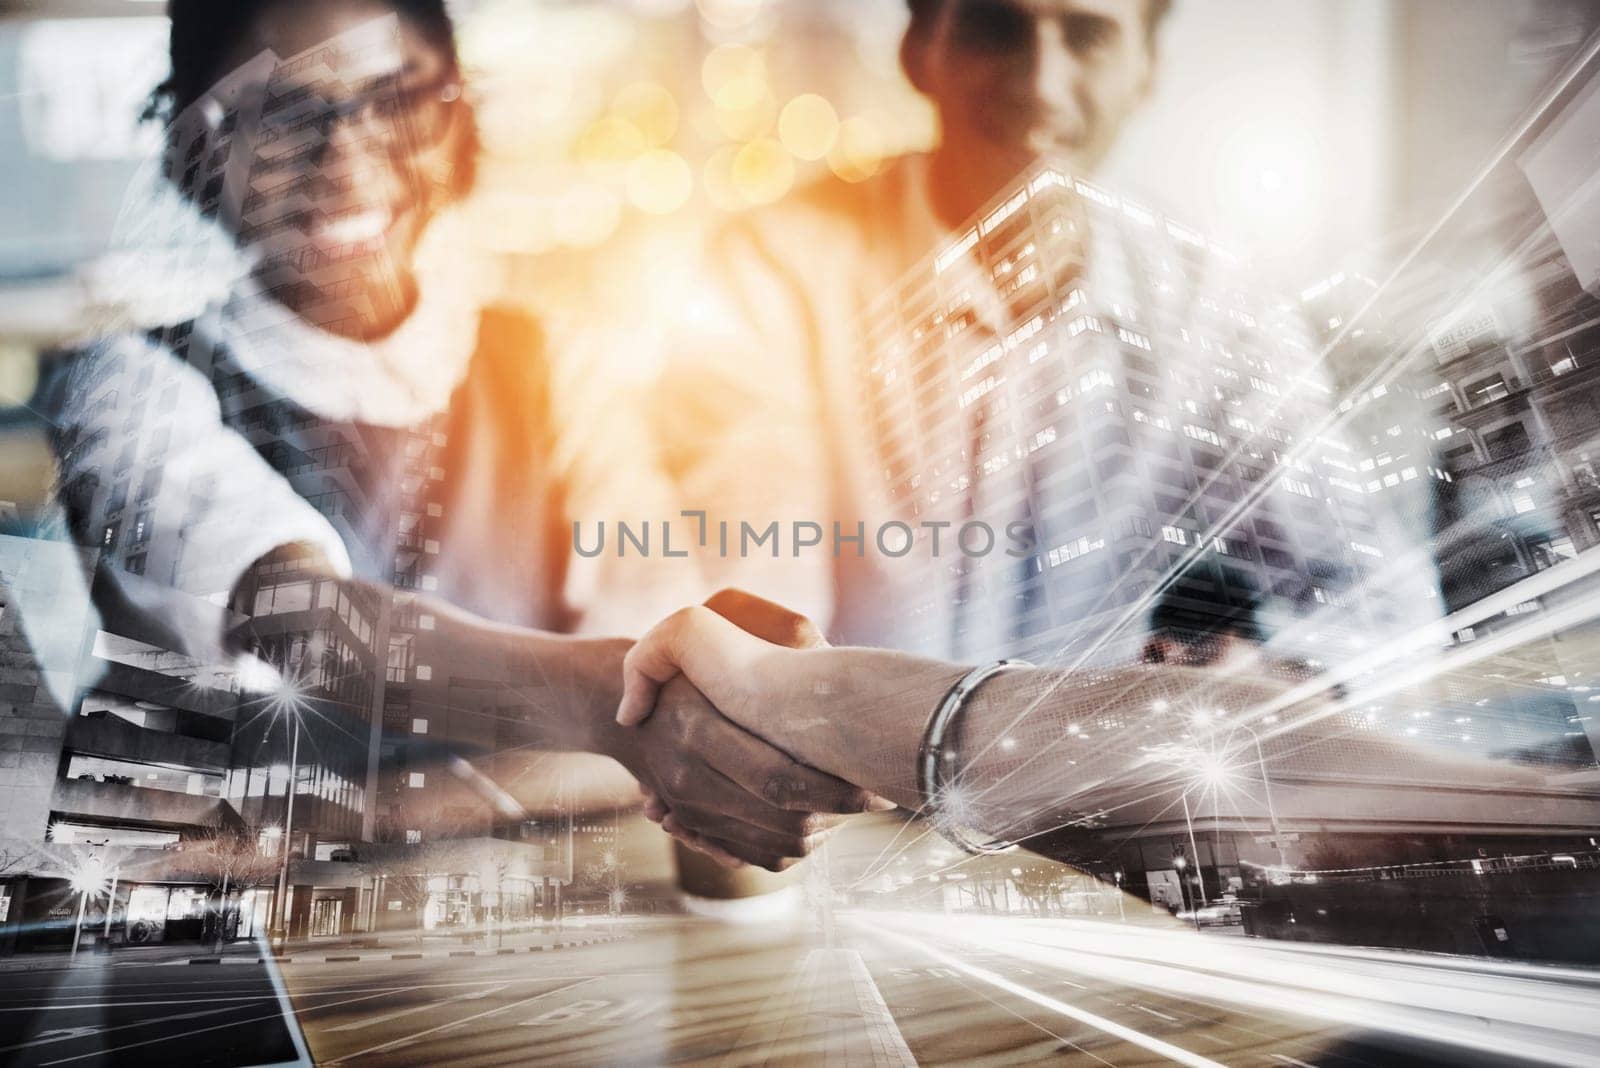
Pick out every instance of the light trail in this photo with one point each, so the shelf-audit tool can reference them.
(1464, 1004)
(1083, 1016)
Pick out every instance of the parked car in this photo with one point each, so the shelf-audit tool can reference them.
(1216, 914)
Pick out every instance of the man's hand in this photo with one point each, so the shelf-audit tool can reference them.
(721, 790)
(724, 791)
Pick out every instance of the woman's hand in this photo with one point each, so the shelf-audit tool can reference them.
(722, 790)
(854, 713)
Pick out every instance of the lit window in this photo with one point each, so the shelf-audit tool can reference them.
(424, 673)
(1294, 485)
(1176, 535)
(417, 780)
(413, 837)
(1074, 549)
(419, 726)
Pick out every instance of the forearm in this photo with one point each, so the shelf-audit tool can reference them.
(1031, 749)
(563, 689)
(560, 689)
(853, 713)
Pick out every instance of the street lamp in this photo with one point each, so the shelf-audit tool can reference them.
(286, 698)
(1194, 848)
(280, 903)
(1181, 863)
(1266, 787)
(89, 878)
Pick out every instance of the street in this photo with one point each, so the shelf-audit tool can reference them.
(895, 989)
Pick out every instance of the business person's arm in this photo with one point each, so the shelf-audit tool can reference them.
(1033, 749)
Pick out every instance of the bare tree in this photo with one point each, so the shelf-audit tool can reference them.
(16, 857)
(406, 872)
(1041, 883)
(229, 859)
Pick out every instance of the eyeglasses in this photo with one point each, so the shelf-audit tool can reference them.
(399, 118)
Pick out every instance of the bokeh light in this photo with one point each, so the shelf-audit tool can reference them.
(731, 14)
(763, 171)
(650, 109)
(608, 144)
(858, 150)
(659, 182)
(734, 77)
(749, 122)
(808, 126)
(717, 179)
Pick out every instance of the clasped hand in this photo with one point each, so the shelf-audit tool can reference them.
(714, 785)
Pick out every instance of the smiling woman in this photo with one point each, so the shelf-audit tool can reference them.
(348, 423)
(356, 147)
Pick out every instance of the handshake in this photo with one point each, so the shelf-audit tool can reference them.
(754, 737)
(724, 720)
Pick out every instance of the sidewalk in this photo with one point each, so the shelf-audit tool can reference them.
(339, 950)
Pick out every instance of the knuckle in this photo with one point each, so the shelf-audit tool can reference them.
(778, 789)
(677, 780)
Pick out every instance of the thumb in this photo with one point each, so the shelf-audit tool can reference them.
(654, 661)
(695, 642)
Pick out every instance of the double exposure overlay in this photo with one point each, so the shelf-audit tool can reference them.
(866, 532)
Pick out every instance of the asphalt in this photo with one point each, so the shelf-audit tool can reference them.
(887, 989)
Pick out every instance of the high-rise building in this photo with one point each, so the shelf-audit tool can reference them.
(1081, 364)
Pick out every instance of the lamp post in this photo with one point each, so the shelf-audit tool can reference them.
(88, 879)
(1266, 786)
(280, 903)
(1194, 848)
(1182, 863)
(111, 905)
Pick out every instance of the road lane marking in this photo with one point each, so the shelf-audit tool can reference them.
(459, 1023)
(199, 1031)
(373, 1021)
(1111, 1027)
(1153, 1012)
(1069, 982)
(64, 1034)
(1035, 1024)
(145, 1004)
